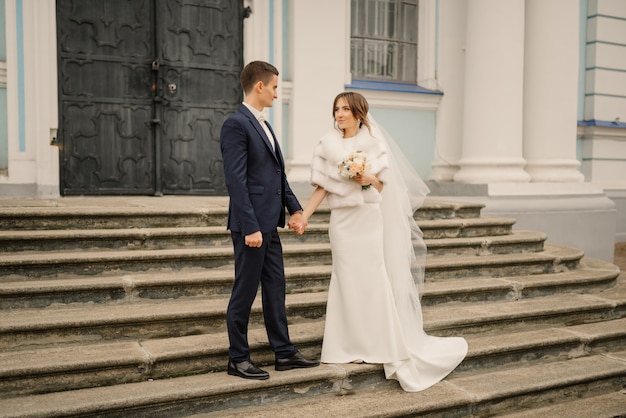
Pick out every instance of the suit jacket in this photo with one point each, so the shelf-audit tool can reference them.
(255, 176)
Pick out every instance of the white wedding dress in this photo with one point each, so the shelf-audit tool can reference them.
(373, 312)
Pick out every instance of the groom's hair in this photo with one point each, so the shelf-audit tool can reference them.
(254, 72)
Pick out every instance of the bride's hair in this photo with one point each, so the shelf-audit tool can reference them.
(358, 106)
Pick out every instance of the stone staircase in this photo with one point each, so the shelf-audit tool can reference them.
(119, 311)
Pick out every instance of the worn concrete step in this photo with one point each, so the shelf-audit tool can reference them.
(505, 351)
(115, 261)
(444, 209)
(56, 368)
(515, 242)
(135, 238)
(318, 392)
(486, 394)
(18, 264)
(512, 316)
(83, 212)
(140, 238)
(591, 275)
(22, 328)
(219, 240)
(464, 228)
(610, 405)
(84, 323)
(552, 259)
(51, 263)
(136, 287)
(168, 211)
(93, 217)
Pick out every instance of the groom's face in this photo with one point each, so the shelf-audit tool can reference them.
(269, 92)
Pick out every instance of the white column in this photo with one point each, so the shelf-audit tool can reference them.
(450, 71)
(256, 32)
(321, 36)
(33, 165)
(551, 91)
(41, 93)
(492, 123)
(12, 90)
(264, 42)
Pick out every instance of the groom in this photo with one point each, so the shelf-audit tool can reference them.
(254, 171)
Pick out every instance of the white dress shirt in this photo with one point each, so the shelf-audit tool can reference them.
(261, 118)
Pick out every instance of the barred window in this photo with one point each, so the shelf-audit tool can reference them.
(383, 40)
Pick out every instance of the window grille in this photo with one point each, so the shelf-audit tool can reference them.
(383, 40)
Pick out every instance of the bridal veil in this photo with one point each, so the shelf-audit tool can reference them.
(432, 358)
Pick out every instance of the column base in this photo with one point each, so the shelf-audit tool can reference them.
(579, 215)
(554, 171)
(476, 171)
(443, 172)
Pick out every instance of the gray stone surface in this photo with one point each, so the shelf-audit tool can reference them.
(544, 325)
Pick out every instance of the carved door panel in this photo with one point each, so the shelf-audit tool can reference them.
(144, 86)
(199, 57)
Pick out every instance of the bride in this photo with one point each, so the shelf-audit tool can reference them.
(374, 312)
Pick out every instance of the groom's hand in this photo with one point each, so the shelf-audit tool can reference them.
(298, 223)
(255, 239)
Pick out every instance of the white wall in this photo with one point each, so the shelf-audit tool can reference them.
(33, 161)
(320, 68)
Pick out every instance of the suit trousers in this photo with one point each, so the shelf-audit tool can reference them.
(262, 265)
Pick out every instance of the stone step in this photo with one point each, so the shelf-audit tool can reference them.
(17, 263)
(553, 258)
(465, 228)
(444, 209)
(78, 217)
(138, 238)
(58, 367)
(132, 287)
(135, 238)
(171, 211)
(517, 315)
(610, 405)
(307, 390)
(130, 306)
(51, 263)
(591, 275)
(486, 394)
(505, 351)
(515, 242)
(22, 328)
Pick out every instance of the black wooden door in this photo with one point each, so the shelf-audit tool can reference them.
(144, 87)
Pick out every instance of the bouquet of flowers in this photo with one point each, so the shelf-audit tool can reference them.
(354, 164)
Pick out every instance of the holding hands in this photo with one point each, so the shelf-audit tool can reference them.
(298, 223)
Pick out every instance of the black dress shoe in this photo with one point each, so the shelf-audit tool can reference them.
(297, 361)
(247, 370)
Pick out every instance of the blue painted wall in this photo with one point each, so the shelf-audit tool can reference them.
(4, 140)
(582, 66)
(21, 88)
(3, 38)
(414, 131)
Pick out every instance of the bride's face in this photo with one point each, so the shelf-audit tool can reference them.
(344, 117)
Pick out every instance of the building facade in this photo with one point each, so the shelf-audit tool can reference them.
(517, 104)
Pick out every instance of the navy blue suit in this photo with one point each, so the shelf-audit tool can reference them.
(259, 192)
